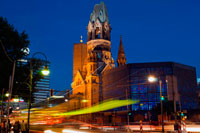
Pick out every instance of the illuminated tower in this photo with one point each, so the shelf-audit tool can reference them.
(98, 50)
(91, 59)
(79, 57)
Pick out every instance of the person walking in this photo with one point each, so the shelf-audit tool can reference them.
(16, 127)
(3, 126)
(23, 127)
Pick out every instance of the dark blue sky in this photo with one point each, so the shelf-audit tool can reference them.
(152, 30)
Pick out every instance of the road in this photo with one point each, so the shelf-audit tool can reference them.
(109, 129)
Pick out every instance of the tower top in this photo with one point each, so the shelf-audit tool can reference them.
(121, 58)
(98, 26)
(99, 12)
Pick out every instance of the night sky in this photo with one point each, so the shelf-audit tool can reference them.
(152, 30)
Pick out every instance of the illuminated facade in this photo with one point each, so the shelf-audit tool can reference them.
(89, 60)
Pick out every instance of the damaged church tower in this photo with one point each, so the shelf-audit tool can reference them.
(91, 59)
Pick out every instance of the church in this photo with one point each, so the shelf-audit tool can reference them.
(93, 58)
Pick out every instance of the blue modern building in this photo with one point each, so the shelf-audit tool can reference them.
(130, 81)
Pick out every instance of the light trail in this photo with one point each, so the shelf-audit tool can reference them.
(100, 107)
(56, 114)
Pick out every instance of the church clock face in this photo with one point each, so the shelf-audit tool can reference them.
(101, 15)
(99, 55)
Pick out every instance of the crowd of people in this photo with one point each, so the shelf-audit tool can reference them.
(16, 127)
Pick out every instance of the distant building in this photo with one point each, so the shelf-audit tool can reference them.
(42, 88)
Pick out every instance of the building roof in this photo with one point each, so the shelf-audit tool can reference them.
(159, 64)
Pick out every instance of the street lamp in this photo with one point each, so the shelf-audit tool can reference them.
(7, 94)
(154, 79)
(45, 72)
(84, 100)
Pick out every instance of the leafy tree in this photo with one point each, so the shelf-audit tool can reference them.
(12, 44)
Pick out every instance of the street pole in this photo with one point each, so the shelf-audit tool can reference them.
(161, 102)
(31, 86)
(174, 100)
(127, 108)
(10, 95)
(30, 91)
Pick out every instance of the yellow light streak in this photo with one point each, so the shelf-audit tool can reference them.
(100, 107)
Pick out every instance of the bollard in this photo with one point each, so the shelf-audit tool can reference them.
(184, 125)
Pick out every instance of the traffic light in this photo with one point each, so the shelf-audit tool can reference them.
(129, 113)
(182, 114)
(51, 92)
(162, 98)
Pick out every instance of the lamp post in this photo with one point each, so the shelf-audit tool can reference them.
(154, 79)
(45, 72)
(2, 104)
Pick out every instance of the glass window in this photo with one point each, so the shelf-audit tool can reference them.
(152, 96)
(143, 89)
(152, 105)
(144, 106)
(135, 96)
(152, 89)
(135, 107)
(134, 89)
(158, 97)
(143, 97)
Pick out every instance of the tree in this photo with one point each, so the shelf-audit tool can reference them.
(12, 44)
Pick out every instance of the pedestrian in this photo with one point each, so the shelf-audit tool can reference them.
(16, 127)
(23, 127)
(9, 125)
(3, 126)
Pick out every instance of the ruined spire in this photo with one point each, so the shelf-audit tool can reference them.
(99, 12)
(99, 26)
(121, 59)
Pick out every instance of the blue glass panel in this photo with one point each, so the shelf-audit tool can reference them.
(144, 106)
(143, 89)
(134, 89)
(143, 97)
(135, 107)
(158, 97)
(135, 96)
(152, 96)
(152, 105)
